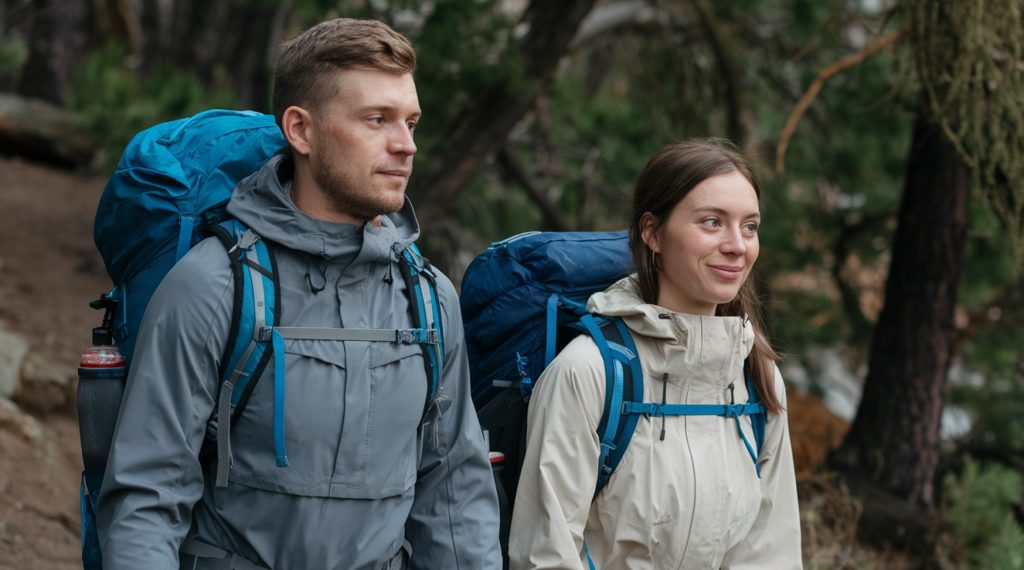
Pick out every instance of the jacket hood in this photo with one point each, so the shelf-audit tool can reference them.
(263, 202)
(622, 299)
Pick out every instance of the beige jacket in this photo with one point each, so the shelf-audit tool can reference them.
(691, 501)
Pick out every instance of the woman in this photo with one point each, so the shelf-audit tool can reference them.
(687, 493)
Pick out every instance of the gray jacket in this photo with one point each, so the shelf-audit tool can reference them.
(363, 475)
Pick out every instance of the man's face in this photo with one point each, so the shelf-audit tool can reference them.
(361, 142)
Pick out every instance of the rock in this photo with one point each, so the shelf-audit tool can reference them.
(13, 419)
(46, 388)
(13, 349)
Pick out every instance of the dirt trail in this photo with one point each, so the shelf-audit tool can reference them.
(48, 273)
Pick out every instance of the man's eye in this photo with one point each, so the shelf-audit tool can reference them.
(377, 120)
(412, 126)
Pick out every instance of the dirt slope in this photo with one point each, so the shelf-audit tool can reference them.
(48, 273)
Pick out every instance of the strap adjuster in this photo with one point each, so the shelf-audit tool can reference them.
(416, 336)
(264, 334)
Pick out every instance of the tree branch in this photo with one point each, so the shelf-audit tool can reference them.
(483, 127)
(739, 116)
(514, 170)
(819, 81)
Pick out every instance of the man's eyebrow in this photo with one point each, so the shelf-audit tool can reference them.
(384, 107)
(723, 212)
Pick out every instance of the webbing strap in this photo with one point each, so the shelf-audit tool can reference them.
(755, 410)
(279, 453)
(608, 438)
(613, 396)
(657, 410)
(746, 442)
(590, 561)
(186, 223)
(401, 336)
(224, 434)
(552, 329)
(243, 368)
(425, 311)
(432, 326)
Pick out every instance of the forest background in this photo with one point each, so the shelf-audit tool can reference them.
(888, 136)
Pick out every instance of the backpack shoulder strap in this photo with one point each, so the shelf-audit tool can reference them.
(257, 302)
(421, 289)
(623, 383)
(757, 420)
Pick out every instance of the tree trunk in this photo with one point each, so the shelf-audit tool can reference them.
(482, 129)
(894, 439)
(194, 40)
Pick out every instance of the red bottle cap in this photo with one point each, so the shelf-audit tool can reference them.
(101, 357)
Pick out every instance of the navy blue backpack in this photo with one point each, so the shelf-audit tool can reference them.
(523, 300)
(169, 192)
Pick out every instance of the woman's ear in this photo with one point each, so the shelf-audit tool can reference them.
(298, 128)
(649, 231)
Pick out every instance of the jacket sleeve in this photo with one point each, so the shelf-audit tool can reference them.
(153, 476)
(559, 474)
(454, 519)
(774, 539)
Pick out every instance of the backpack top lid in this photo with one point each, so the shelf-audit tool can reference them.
(505, 292)
(173, 176)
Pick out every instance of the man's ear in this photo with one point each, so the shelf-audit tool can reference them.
(298, 128)
(649, 231)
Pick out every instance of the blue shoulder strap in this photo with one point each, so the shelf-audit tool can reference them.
(256, 308)
(421, 285)
(758, 420)
(623, 383)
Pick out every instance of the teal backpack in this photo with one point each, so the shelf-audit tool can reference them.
(169, 192)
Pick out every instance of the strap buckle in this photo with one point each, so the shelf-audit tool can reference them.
(264, 334)
(416, 336)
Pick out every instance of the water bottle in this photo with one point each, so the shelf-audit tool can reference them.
(101, 375)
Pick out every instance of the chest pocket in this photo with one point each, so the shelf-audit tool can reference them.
(351, 415)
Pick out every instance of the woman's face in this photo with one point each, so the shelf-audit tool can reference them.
(707, 245)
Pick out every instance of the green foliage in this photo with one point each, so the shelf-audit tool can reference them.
(114, 103)
(977, 509)
(465, 50)
(12, 55)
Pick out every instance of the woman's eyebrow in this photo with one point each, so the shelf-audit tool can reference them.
(723, 212)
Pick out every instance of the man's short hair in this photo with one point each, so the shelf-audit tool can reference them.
(308, 64)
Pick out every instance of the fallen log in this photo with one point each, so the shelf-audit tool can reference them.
(41, 131)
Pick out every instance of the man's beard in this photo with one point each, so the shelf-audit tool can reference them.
(343, 196)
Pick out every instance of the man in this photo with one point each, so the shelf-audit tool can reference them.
(372, 481)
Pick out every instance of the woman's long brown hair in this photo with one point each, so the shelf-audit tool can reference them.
(666, 179)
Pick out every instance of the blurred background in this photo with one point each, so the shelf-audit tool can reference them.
(889, 140)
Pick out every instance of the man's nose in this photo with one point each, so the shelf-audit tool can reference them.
(401, 141)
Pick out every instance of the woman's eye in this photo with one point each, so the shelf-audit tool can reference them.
(711, 223)
(751, 227)
(412, 126)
